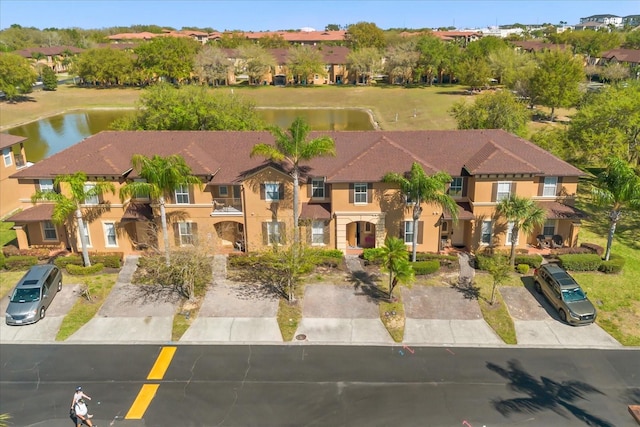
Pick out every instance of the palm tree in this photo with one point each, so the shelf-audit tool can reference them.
(395, 260)
(79, 192)
(524, 214)
(292, 147)
(618, 187)
(420, 188)
(162, 175)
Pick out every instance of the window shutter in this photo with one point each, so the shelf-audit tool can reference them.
(262, 192)
(559, 186)
(283, 233)
(419, 231)
(370, 192)
(401, 230)
(309, 187)
(176, 233)
(265, 234)
(351, 190)
(494, 192)
(326, 188)
(465, 183)
(326, 236)
(541, 186)
(281, 192)
(194, 232)
(514, 186)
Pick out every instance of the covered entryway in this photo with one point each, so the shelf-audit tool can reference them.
(359, 230)
(230, 235)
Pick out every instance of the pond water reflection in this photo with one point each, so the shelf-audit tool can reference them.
(50, 135)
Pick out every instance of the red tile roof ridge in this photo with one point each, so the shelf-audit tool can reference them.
(347, 164)
(412, 154)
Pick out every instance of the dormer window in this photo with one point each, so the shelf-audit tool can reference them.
(550, 185)
(455, 189)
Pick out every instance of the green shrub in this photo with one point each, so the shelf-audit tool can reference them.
(20, 262)
(522, 268)
(580, 262)
(533, 261)
(421, 268)
(242, 260)
(109, 259)
(2, 258)
(613, 266)
(78, 270)
(444, 260)
(329, 253)
(63, 261)
(572, 251)
(372, 255)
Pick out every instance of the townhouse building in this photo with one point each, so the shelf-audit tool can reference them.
(245, 203)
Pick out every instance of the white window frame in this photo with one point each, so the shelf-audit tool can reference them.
(408, 232)
(185, 233)
(46, 185)
(550, 186)
(501, 194)
(92, 200)
(86, 233)
(317, 233)
(359, 193)
(456, 186)
(6, 154)
(107, 228)
(549, 224)
(224, 193)
(48, 226)
(510, 226)
(486, 230)
(269, 192)
(182, 194)
(317, 186)
(273, 233)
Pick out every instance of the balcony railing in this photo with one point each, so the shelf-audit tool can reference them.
(226, 206)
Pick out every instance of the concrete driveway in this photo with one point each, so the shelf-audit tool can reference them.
(46, 329)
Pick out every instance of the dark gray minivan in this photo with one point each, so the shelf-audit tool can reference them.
(33, 294)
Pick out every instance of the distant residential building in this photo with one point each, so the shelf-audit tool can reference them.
(605, 19)
(54, 57)
(631, 20)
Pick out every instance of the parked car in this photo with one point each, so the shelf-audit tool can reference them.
(33, 294)
(564, 294)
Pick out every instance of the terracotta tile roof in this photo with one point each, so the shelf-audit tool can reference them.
(464, 212)
(623, 55)
(48, 50)
(557, 210)
(331, 54)
(137, 212)
(301, 36)
(315, 211)
(7, 140)
(537, 46)
(37, 213)
(362, 156)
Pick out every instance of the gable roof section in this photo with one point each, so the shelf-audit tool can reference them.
(361, 156)
(7, 140)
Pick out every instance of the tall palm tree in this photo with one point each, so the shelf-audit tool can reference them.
(292, 147)
(395, 260)
(162, 175)
(524, 214)
(421, 188)
(618, 187)
(79, 192)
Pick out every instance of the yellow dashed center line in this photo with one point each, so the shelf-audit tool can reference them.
(148, 391)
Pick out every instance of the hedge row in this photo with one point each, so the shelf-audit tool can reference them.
(444, 260)
(425, 267)
(533, 261)
(580, 262)
(613, 266)
(78, 270)
(108, 259)
(20, 262)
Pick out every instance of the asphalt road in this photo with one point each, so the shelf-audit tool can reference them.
(302, 385)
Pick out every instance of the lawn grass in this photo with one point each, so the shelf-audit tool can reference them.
(9, 279)
(83, 310)
(393, 317)
(496, 315)
(7, 235)
(290, 314)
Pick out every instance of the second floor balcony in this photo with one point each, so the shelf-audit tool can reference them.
(226, 206)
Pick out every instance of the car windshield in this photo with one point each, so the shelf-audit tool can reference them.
(575, 294)
(26, 295)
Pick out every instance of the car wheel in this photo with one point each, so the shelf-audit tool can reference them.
(42, 312)
(59, 285)
(563, 315)
(538, 288)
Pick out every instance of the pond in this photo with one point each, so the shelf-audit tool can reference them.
(50, 135)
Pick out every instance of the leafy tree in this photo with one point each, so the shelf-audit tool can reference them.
(485, 46)
(617, 188)
(233, 40)
(212, 65)
(402, 61)
(16, 75)
(615, 72)
(304, 61)
(365, 63)
(49, 79)
(632, 40)
(105, 66)
(498, 110)
(162, 175)
(292, 147)
(332, 27)
(169, 58)
(365, 34)
(473, 72)
(524, 214)
(451, 57)
(75, 203)
(499, 269)
(608, 124)
(504, 64)
(395, 261)
(431, 54)
(164, 107)
(419, 188)
(273, 41)
(555, 81)
(255, 61)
